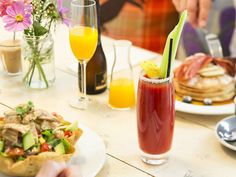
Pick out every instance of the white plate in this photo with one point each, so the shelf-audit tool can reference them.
(90, 154)
(204, 110)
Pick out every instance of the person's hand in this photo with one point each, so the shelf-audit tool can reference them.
(55, 169)
(51, 169)
(198, 10)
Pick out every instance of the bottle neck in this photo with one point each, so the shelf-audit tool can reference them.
(98, 21)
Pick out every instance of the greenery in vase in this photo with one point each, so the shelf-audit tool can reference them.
(35, 18)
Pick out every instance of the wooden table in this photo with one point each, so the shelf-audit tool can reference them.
(195, 147)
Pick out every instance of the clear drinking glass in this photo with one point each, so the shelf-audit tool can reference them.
(155, 118)
(122, 92)
(10, 55)
(83, 40)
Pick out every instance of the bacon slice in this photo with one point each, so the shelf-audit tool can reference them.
(227, 64)
(191, 66)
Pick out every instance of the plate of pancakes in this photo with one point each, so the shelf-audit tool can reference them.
(205, 85)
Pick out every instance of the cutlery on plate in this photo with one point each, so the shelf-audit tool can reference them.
(213, 44)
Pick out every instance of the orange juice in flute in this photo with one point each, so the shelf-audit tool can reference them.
(83, 37)
(83, 42)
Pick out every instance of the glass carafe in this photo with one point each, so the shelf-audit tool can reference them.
(122, 92)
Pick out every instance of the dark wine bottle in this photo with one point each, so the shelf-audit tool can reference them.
(96, 72)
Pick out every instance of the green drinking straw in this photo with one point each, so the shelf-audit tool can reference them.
(175, 35)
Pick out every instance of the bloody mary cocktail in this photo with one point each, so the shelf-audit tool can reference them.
(155, 118)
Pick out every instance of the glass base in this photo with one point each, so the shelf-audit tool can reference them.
(13, 74)
(154, 159)
(40, 84)
(120, 109)
(80, 103)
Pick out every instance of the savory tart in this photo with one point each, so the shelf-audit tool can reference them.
(29, 137)
(204, 77)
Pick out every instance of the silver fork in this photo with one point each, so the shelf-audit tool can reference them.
(213, 44)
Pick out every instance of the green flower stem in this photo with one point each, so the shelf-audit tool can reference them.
(33, 68)
(27, 74)
(50, 24)
(40, 70)
(14, 36)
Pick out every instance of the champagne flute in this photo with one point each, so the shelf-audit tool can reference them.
(83, 41)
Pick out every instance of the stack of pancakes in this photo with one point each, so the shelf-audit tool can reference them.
(210, 82)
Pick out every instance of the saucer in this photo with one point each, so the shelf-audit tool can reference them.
(226, 125)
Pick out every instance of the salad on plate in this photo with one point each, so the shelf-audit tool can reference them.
(30, 136)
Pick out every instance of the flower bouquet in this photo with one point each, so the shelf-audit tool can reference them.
(35, 18)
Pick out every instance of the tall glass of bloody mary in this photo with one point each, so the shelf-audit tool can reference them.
(155, 118)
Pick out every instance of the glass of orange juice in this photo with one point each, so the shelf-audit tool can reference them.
(83, 40)
(122, 92)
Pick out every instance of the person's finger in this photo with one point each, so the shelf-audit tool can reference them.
(64, 173)
(176, 4)
(192, 7)
(183, 5)
(204, 8)
(51, 169)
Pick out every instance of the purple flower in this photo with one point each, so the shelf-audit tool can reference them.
(17, 17)
(28, 6)
(62, 12)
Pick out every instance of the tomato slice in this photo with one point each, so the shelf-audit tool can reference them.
(44, 147)
(15, 151)
(67, 133)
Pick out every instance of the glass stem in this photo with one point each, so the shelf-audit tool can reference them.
(83, 81)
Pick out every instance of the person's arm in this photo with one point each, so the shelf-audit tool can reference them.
(198, 10)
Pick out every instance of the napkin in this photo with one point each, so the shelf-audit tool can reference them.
(175, 35)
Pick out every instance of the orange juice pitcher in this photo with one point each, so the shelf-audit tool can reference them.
(122, 92)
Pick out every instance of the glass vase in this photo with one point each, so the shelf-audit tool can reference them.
(38, 64)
